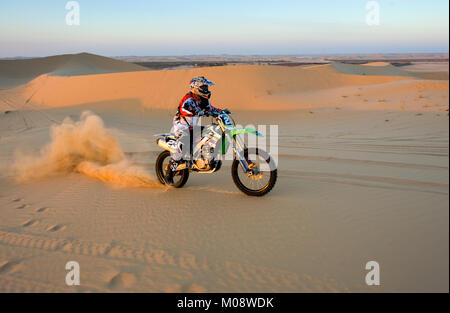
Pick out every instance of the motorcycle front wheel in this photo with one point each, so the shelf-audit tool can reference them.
(262, 176)
(162, 162)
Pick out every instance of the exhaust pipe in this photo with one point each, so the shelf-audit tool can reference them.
(163, 145)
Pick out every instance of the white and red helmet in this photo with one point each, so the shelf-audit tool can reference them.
(200, 86)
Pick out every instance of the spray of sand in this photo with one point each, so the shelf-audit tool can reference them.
(85, 147)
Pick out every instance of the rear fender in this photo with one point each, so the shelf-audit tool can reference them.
(167, 135)
(163, 144)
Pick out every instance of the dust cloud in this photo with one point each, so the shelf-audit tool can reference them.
(86, 147)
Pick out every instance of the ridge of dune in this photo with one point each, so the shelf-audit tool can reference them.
(16, 72)
(387, 69)
(88, 64)
(370, 70)
(435, 67)
(376, 64)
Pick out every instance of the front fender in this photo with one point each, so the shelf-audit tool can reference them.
(235, 131)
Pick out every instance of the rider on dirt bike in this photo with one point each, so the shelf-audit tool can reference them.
(253, 170)
(193, 105)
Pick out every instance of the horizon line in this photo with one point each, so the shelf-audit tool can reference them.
(231, 55)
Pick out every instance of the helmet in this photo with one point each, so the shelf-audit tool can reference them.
(199, 86)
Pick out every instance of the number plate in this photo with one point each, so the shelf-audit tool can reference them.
(226, 120)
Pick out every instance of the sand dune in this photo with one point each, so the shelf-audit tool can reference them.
(376, 64)
(386, 69)
(237, 87)
(363, 175)
(243, 87)
(354, 186)
(427, 67)
(383, 69)
(13, 72)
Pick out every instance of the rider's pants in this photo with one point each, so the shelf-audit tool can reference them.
(181, 132)
(184, 135)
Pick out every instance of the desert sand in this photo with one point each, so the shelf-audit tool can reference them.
(363, 175)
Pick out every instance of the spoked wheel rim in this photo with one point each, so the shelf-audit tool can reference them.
(177, 176)
(162, 163)
(262, 175)
(259, 175)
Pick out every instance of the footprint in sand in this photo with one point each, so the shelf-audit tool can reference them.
(55, 228)
(173, 289)
(122, 281)
(30, 223)
(23, 206)
(187, 288)
(9, 266)
(42, 210)
(195, 288)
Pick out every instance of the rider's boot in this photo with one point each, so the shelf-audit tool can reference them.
(172, 167)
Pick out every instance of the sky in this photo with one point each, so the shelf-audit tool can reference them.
(244, 27)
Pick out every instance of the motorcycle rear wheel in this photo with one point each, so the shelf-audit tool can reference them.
(180, 178)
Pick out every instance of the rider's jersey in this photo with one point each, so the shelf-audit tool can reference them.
(191, 107)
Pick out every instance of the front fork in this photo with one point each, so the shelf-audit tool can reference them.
(239, 149)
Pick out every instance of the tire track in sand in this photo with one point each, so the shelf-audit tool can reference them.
(225, 275)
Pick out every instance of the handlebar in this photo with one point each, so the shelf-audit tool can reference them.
(216, 114)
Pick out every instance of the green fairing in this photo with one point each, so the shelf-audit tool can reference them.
(236, 131)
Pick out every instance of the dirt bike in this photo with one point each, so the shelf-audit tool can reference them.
(253, 171)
